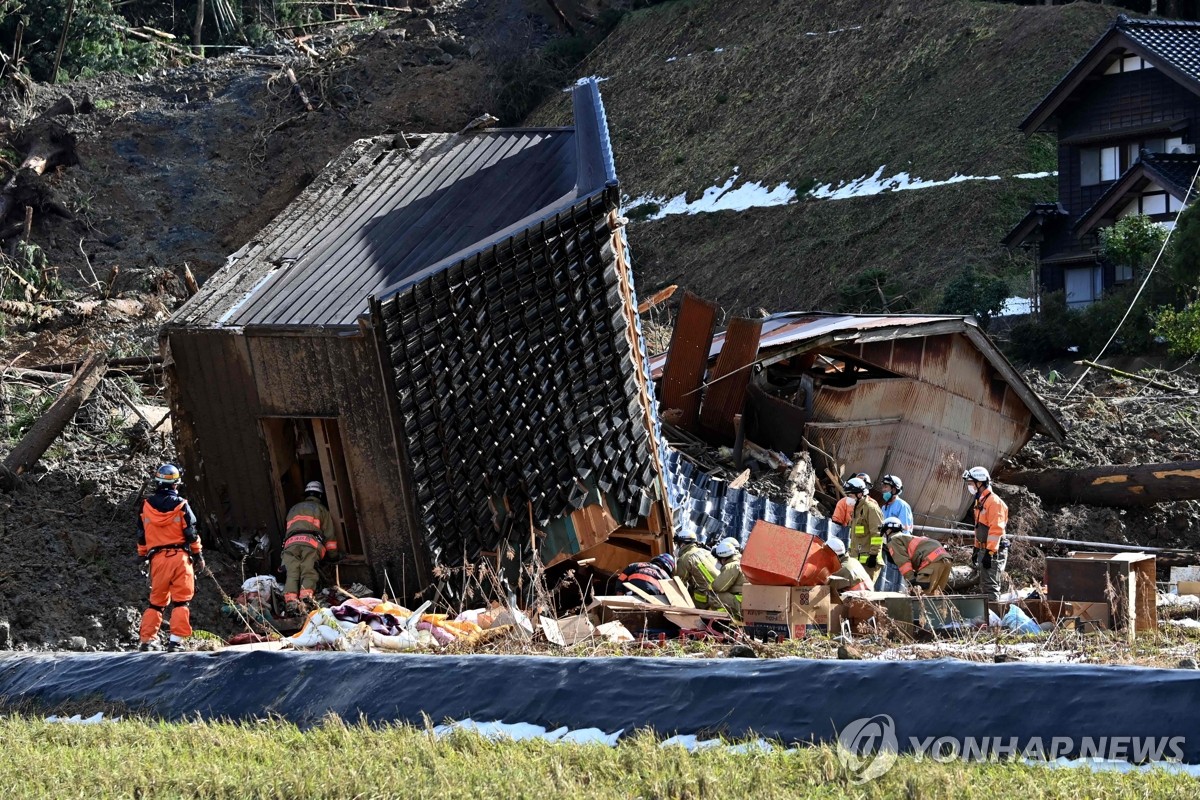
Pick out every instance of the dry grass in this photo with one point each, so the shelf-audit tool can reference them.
(276, 760)
(815, 93)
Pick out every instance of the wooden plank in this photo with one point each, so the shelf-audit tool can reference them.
(687, 360)
(684, 593)
(649, 598)
(725, 394)
(622, 604)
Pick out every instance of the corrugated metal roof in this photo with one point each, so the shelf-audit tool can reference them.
(382, 216)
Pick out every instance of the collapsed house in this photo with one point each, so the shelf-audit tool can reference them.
(921, 397)
(442, 329)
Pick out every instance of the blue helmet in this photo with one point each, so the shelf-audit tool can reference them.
(666, 561)
(167, 475)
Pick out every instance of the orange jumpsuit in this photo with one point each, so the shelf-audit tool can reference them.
(168, 537)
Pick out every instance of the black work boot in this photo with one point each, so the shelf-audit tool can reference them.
(174, 646)
(149, 647)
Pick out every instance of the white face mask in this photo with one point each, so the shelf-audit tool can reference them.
(971, 488)
(851, 501)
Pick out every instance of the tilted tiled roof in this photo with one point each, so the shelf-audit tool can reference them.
(1174, 42)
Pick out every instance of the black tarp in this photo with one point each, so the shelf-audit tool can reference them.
(794, 700)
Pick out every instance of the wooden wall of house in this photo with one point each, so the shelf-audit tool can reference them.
(1111, 102)
(227, 382)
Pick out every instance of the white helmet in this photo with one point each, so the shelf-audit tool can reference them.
(894, 481)
(686, 536)
(726, 548)
(836, 545)
(977, 474)
(855, 486)
(891, 525)
(314, 487)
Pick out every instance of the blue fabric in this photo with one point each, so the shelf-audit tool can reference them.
(691, 696)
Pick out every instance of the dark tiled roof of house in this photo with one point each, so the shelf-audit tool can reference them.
(1173, 171)
(1171, 46)
(1172, 42)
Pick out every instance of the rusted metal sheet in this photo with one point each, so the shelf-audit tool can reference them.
(936, 437)
(725, 396)
(687, 359)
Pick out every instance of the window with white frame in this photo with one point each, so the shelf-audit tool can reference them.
(1099, 165)
(1128, 63)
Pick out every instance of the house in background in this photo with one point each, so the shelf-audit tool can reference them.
(443, 330)
(1127, 118)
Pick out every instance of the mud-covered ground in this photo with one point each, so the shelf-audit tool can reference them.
(1113, 420)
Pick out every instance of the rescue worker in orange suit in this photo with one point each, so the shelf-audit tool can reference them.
(309, 539)
(853, 576)
(922, 561)
(169, 544)
(866, 542)
(990, 515)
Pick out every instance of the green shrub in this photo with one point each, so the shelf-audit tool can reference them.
(1180, 329)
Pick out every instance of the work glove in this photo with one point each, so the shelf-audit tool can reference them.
(975, 557)
(333, 556)
(198, 563)
(872, 561)
(987, 559)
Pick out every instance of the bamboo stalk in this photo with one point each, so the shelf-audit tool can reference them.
(62, 40)
(1120, 373)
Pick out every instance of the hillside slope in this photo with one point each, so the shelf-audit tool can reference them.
(820, 94)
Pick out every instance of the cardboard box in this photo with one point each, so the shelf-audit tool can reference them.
(779, 556)
(788, 611)
(1189, 587)
(1127, 578)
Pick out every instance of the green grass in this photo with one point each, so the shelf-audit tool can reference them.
(276, 760)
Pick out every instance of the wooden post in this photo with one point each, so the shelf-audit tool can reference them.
(38, 438)
(197, 28)
(62, 40)
(1122, 485)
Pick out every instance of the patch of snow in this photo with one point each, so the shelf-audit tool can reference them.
(900, 182)
(672, 58)
(1016, 305)
(729, 196)
(1103, 764)
(726, 197)
(523, 731)
(1027, 176)
(718, 49)
(584, 80)
(78, 719)
(1073, 348)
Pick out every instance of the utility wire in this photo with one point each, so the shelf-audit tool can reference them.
(1128, 311)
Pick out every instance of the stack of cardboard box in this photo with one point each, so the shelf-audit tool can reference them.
(787, 596)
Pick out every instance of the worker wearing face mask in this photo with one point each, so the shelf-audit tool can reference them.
(866, 542)
(990, 515)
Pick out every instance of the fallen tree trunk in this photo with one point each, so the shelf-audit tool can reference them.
(45, 144)
(38, 438)
(1127, 485)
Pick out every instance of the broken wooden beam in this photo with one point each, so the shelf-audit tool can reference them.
(50, 425)
(1122, 485)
